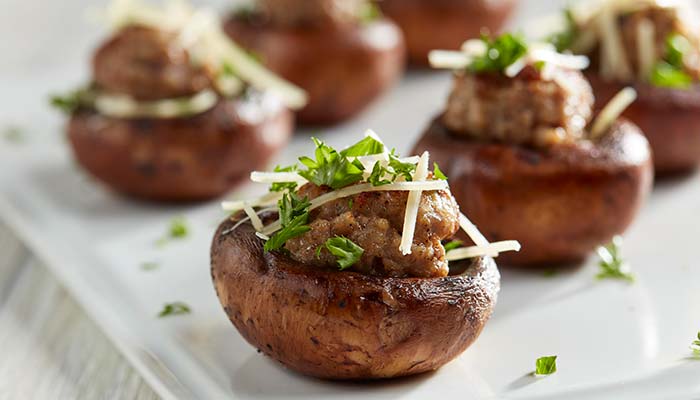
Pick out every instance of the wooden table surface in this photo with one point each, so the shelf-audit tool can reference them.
(50, 348)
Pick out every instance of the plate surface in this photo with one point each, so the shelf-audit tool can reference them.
(613, 340)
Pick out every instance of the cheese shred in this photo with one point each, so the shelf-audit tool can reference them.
(412, 205)
(609, 114)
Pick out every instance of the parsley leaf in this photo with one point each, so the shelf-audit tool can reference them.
(331, 168)
(346, 252)
(438, 173)
(13, 134)
(666, 75)
(455, 244)
(177, 230)
(695, 346)
(677, 46)
(377, 175)
(564, 39)
(294, 216)
(72, 101)
(176, 308)
(611, 264)
(149, 266)
(501, 53)
(404, 169)
(365, 147)
(546, 365)
(671, 71)
(282, 186)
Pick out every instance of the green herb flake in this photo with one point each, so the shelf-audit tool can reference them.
(177, 230)
(294, 216)
(13, 134)
(176, 308)
(437, 173)
(282, 186)
(549, 273)
(546, 365)
(565, 39)
(455, 244)
(72, 101)
(346, 252)
(376, 178)
(365, 147)
(149, 266)
(399, 168)
(611, 264)
(667, 75)
(677, 46)
(501, 53)
(331, 168)
(369, 12)
(695, 346)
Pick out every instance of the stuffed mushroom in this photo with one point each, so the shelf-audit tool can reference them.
(653, 46)
(343, 270)
(175, 111)
(525, 158)
(441, 24)
(342, 52)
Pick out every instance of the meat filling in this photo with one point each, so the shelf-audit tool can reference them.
(537, 108)
(312, 12)
(147, 64)
(374, 221)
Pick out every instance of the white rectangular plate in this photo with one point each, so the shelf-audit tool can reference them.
(613, 340)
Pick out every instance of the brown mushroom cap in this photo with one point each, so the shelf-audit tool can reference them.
(341, 69)
(670, 119)
(444, 24)
(345, 325)
(181, 159)
(560, 203)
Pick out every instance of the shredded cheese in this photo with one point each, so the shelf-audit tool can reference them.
(254, 219)
(446, 59)
(646, 33)
(123, 106)
(363, 188)
(267, 199)
(486, 250)
(609, 114)
(412, 205)
(614, 61)
(271, 177)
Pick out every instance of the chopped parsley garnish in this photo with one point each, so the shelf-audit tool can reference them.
(670, 72)
(546, 365)
(294, 216)
(404, 169)
(365, 147)
(437, 173)
(695, 346)
(72, 101)
(282, 186)
(331, 168)
(611, 264)
(13, 134)
(564, 39)
(376, 178)
(177, 230)
(346, 252)
(149, 266)
(176, 308)
(666, 75)
(455, 244)
(501, 53)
